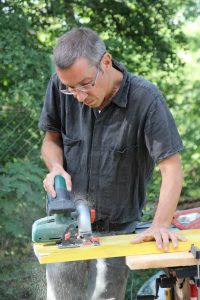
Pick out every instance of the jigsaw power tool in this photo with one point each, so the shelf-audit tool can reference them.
(68, 221)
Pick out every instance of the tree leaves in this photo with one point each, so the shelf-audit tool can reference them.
(22, 198)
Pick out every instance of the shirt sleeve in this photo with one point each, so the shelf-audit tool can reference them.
(50, 118)
(161, 134)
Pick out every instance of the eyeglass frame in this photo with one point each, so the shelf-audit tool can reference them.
(89, 85)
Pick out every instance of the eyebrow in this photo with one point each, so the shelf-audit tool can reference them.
(84, 79)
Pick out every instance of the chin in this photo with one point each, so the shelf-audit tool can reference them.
(94, 103)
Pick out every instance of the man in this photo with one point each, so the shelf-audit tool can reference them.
(105, 130)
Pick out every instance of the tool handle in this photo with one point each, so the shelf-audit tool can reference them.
(59, 182)
(64, 200)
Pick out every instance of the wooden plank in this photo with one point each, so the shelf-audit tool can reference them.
(111, 246)
(163, 260)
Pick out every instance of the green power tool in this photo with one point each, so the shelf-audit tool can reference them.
(68, 221)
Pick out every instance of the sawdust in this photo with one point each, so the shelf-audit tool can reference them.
(38, 281)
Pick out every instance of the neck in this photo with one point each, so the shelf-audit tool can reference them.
(117, 77)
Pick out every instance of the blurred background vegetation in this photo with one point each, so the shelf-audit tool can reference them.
(159, 40)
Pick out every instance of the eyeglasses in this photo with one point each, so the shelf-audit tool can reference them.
(82, 88)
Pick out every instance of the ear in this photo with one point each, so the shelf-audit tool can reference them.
(107, 60)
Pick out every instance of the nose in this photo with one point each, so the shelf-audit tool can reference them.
(81, 96)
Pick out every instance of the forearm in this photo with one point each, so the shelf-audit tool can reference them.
(172, 178)
(52, 153)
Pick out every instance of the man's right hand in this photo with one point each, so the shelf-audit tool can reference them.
(52, 154)
(48, 182)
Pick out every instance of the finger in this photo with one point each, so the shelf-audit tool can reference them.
(52, 191)
(138, 239)
(165, 236)
(144, 237)
(178, 237)
(181, 238)
(148, 238)
(174, 239)
(158, 239)
(48, 184)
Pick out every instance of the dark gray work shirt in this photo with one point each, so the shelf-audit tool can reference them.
(111, 155)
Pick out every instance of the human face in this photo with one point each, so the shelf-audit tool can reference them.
(82, 88)
(80, 74)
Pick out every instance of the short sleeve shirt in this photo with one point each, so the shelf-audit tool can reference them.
(110, 156)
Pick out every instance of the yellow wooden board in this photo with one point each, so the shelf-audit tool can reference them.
(110, 246)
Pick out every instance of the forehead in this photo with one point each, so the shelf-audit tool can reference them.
(79, 71)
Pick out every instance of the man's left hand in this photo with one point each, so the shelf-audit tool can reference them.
(161, 235)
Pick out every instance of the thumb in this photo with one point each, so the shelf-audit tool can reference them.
(136, 240)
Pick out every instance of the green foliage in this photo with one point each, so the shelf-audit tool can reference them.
(24, 73)
(22, 201)
(191, 138)
(20, 137)
(188, 111)
(144, 37)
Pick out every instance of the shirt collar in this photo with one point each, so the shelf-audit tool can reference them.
(120, 98)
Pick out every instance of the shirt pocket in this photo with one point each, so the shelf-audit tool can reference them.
(119, 165)
(72, 154)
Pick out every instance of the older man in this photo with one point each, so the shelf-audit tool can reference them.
(105, 131)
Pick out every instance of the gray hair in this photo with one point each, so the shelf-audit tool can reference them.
(78, 43)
